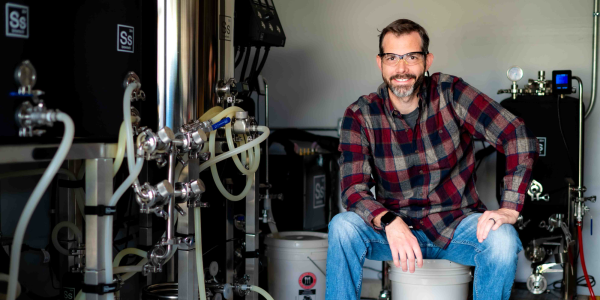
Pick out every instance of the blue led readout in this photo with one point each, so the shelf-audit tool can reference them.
(562, 79)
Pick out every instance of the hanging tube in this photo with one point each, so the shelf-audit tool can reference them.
(594, 61)
(34, 199)
(120, 149)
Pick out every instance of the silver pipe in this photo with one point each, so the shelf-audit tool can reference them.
(581, 119)
(178, 70)
(594, 61)
(267, 125)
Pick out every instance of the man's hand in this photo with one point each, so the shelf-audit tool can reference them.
(403, 244)
(501, 216)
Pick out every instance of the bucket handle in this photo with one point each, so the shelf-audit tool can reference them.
(316, 265)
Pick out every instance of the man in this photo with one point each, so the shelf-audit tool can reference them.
(414, 139)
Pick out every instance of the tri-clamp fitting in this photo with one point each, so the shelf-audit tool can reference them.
(189, 192)
(190, 139)
(29, 117)
(244, 124)
(151, 196)
(159, 141)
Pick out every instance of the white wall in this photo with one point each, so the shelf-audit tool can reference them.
(329, 61)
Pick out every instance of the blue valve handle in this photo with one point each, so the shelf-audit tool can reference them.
(17, 95)
(221, 123)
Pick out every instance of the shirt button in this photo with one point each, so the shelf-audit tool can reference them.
(441, 131)
(421, 172)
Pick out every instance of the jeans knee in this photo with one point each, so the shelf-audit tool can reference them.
(504, 245)
(344, 226)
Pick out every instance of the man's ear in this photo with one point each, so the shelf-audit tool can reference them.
(379, 63)
(428, 61)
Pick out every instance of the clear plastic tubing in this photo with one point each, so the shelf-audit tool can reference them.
(57, 228)
(34, 199)
(120, 149)
(238, 150)
(261, 291)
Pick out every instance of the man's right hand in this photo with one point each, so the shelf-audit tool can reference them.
(403, 244)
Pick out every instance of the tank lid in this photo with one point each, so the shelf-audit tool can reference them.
(297, 239)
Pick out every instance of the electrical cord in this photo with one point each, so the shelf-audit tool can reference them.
(238, 60)
(262, 62)
(562, 135)
(557, 285)
(246, 58)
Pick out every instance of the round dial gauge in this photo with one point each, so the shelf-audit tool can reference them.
(514, 73)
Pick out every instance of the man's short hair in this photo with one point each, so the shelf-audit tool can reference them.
(405, 26)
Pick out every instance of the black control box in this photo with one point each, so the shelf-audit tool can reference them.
(561, 82)
(257, 24)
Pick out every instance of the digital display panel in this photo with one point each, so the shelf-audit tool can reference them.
(562, 79)
(561, 82)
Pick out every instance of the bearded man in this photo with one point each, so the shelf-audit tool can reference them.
(414, 140)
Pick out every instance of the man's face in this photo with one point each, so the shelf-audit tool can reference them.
(403, 80)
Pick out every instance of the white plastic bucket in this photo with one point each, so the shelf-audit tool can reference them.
(296, 262)
(438, 279)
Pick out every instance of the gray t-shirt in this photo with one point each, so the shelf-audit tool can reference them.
(411, 117)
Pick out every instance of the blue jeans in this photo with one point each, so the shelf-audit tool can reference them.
(351, 240)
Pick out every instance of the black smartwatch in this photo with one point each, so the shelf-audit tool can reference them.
(388, 218)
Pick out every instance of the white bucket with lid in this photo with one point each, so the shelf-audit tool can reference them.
(438, 279)
(296, 262)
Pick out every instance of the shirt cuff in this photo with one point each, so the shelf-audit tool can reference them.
(512, 200)
(374, 214)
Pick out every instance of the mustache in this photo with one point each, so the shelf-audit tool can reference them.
(404, 76)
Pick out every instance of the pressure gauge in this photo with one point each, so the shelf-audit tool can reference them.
(514, 73)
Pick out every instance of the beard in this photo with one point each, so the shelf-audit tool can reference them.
(403, 91)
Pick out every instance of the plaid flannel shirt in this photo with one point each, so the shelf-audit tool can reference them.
(426, 175)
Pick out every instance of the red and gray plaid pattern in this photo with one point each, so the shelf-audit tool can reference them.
(426, 175)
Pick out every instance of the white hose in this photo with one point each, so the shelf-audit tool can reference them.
(215, 174)
(261, 291)
(199, 264)
(127, 119)
(121, 145)
(211, 163)
(238, 150)
(55, 231)
(5, 277)
(109, 219)
(34, 199)
(255, 159)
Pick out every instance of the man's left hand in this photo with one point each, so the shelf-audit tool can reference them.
(500, 216)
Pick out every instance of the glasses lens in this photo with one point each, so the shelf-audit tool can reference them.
(413, 58)
(390, 59)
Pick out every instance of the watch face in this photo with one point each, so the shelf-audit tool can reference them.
(388, 218)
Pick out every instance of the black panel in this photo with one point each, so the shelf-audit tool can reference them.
(541, 115)
(308, 191)
(257, 24)
(73, 47)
